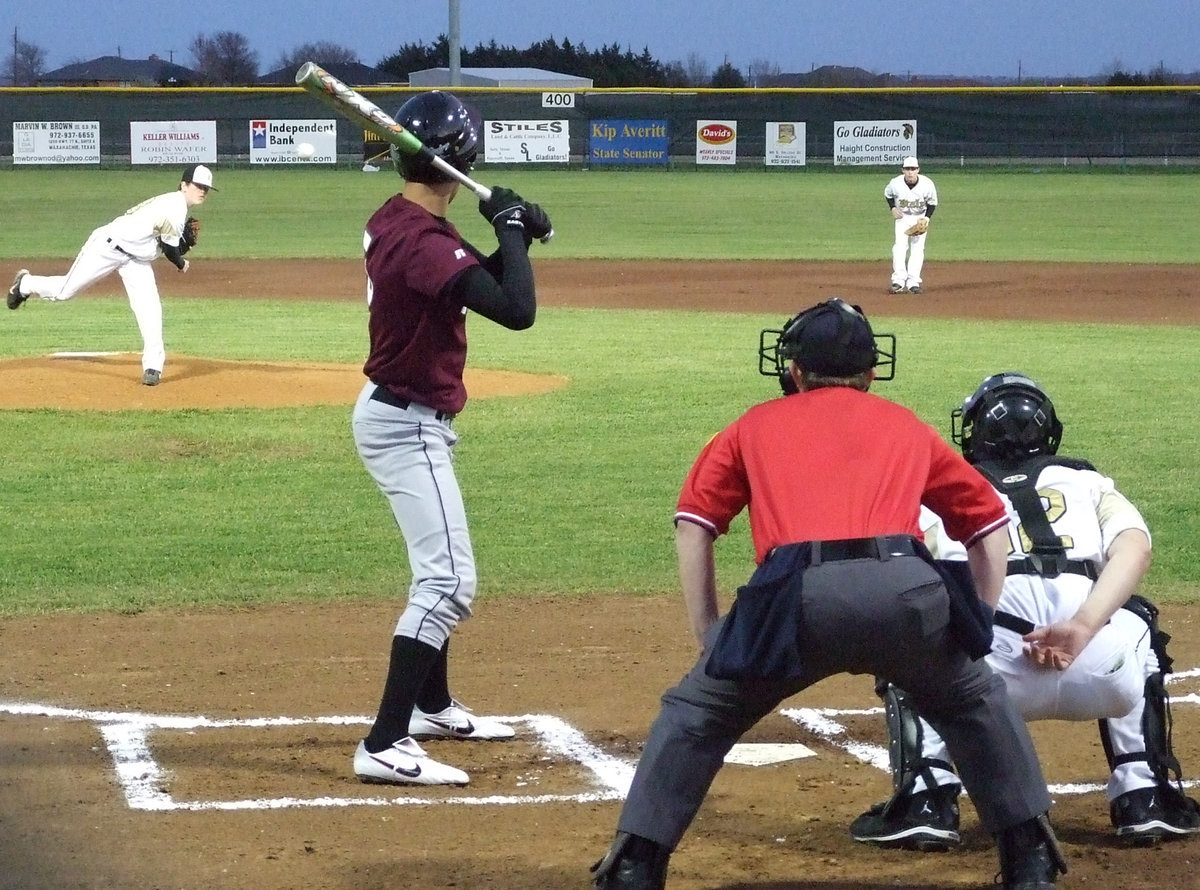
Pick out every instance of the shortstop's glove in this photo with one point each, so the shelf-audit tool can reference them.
(504, 209)
(920, 227)
(190, 235)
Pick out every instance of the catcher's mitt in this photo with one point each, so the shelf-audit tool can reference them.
(920, 227)
(191, 232)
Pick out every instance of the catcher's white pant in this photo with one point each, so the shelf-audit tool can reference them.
(97, 258)
(1107, 680)
(908, 254)
(407, 451)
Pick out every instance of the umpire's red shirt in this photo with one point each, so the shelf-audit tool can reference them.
(835, 463)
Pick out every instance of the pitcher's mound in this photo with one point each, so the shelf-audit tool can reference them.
(113, 382)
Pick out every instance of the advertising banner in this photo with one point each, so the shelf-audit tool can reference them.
(275, 141)
(866, 143)
(627, 142)
(527, 142)
(172, 142)
(56, 142)
(716, 142)
(785, 145)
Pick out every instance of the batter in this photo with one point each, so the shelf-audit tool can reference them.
(422, 278)
(910, 196)
(128, 246)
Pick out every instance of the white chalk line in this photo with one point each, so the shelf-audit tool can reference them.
(144, 782)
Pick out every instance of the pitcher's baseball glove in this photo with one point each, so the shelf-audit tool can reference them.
(920, 227)
(191, 232)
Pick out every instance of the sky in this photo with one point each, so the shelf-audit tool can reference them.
(1009, 38)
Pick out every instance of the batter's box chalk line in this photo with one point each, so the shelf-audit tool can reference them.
(145, 782)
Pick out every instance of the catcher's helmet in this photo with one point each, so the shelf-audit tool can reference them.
(444, 126)
(1008, 418)
(831, 338)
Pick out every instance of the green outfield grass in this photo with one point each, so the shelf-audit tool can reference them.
(822, 215)
(570, 491)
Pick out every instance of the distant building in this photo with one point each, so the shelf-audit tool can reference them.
(352, 74)
(114, 71)
(512, 78)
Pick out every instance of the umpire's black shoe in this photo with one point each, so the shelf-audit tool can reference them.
(925, 821)
(633, 863)
(15, 297)
(1029, 856)
(1149, 815)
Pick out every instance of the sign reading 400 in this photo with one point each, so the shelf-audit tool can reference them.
(558, 100)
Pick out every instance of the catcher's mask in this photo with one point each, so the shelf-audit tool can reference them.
(832, 338)
(1007, 418)
(444, 126)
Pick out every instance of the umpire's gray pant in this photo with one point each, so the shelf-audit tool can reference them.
(864, 616)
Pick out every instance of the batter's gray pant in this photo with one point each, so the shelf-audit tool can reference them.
(860, 616)
(408, 452)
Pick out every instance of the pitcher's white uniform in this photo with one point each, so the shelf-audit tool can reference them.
(1108, 677)
(129, 245)
(908, 251)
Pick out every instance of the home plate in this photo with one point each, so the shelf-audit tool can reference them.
(757, 754)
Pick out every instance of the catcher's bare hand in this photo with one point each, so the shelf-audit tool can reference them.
(1057, 645)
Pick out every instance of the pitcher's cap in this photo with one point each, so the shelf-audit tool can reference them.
(198, 174)
(910, 162)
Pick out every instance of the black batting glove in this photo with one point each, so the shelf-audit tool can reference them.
(537, 223)
(504, 209)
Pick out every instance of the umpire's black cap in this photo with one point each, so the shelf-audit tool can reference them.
(832, 338)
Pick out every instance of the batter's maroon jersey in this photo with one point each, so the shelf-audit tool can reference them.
(834, 463)
(418, 336)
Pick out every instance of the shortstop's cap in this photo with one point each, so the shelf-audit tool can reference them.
(910, 162)
(198, 174)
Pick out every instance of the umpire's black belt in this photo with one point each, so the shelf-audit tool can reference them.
(385, 395)
(881, 547)
(1035, 565)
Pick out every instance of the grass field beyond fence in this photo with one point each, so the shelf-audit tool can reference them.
(570, 491)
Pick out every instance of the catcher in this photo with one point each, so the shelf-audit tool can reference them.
(158, 226)
(912, 199)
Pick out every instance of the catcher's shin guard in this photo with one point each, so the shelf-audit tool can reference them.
(905, 740)
(632, 863)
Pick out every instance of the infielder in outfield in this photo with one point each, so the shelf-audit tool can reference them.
(1072, 640)
(128, 246)
(912, 198)
(422, 278)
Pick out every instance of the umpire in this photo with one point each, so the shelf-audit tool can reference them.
(834, 478)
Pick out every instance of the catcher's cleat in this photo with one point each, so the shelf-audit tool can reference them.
(457, 722)
(915, 289)
(151, 377)
(404, 763)
(925, 821)
(15, 297)
(896, 288)
(1149, 815)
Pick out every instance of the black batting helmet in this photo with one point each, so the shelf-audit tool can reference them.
(832, 338)
(1007, 418)
(444, 126)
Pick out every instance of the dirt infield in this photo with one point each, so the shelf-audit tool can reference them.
(211, 749)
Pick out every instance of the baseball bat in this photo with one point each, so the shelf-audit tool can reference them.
(358, 108)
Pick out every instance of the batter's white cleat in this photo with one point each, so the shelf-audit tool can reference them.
(404, 763)
(457, 722)
(15, 297)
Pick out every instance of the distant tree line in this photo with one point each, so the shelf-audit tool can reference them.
(226, 58)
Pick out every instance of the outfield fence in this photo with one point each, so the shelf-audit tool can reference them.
(965, 126)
